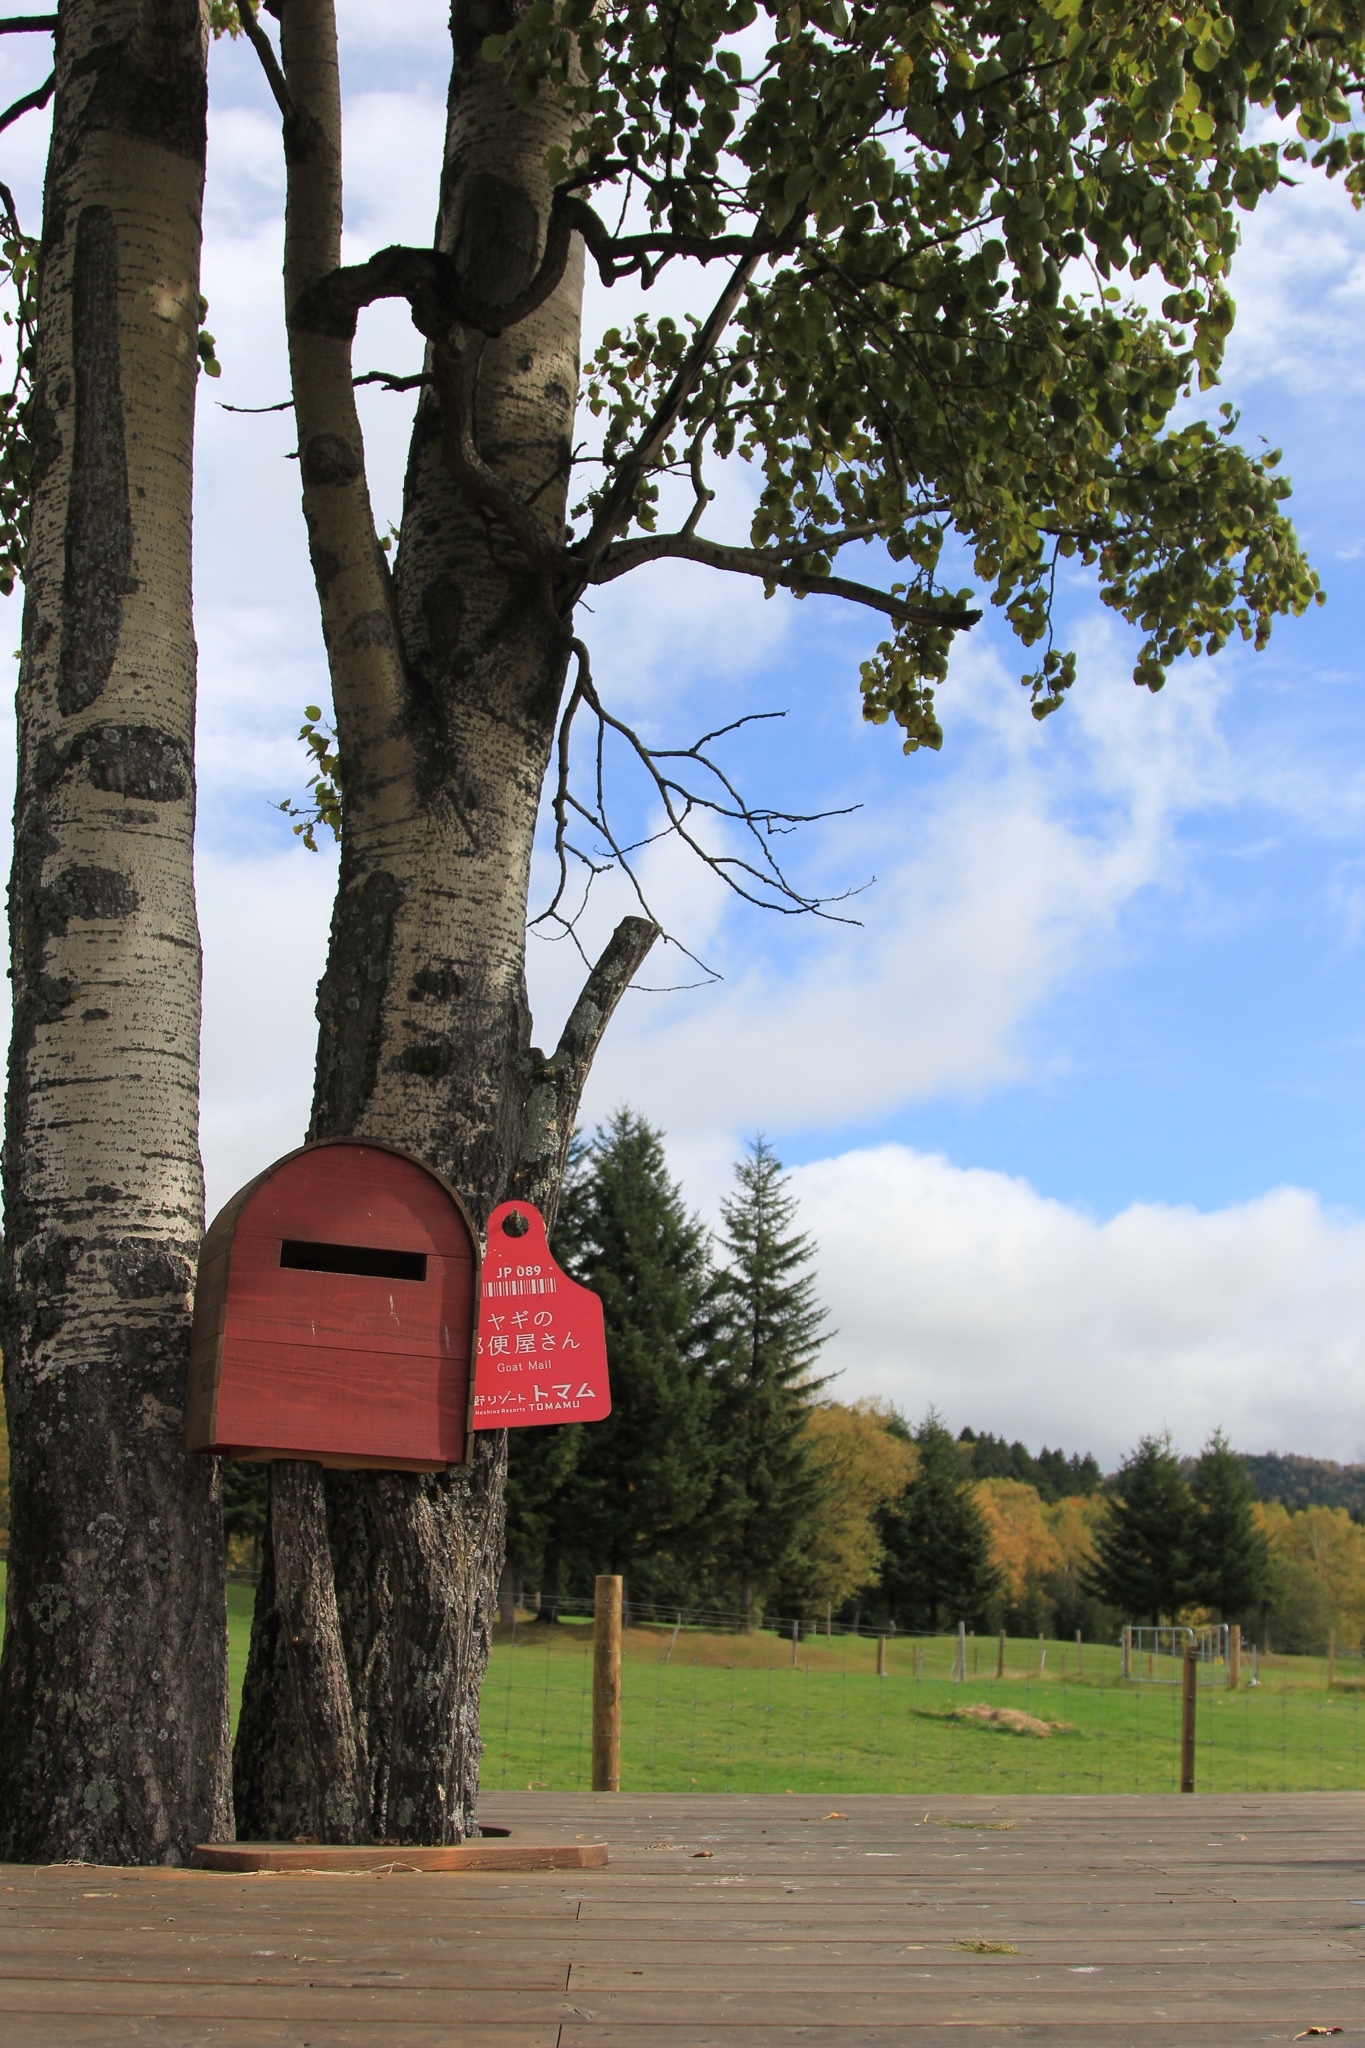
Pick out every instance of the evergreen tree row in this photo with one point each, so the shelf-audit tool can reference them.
(702, 1486)
(1169, 1542)
(1053, 1474)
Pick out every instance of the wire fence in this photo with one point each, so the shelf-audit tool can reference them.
(709, 1707)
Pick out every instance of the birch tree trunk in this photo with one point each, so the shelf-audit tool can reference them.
(113, 1694)
(446, 681)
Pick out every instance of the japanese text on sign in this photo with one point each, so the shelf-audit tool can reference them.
(538, 1360)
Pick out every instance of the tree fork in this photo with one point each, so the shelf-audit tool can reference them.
(446, 683)
(113, 1687)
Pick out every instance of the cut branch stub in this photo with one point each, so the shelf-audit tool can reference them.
(556, 1084)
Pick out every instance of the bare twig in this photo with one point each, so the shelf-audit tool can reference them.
(389, 381)
(701, 493)
(555, 1085)
(27, 24)
(759, 878)
(386, 379)
(30, 103)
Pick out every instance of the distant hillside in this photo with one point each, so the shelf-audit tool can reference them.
(1306, 1482)
(1274, 1475)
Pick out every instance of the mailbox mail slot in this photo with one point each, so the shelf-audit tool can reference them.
(334, 1315)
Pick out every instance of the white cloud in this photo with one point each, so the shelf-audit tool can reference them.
(1006, 881)
(264, 925)
(1017, 1314)
(1298, 282)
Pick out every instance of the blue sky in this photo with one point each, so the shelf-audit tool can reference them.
(1077, 1112)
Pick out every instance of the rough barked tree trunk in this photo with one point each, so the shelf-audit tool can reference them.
(113, 1693)
(446, 680)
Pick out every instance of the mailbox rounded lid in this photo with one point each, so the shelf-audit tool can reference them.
(334, 1311)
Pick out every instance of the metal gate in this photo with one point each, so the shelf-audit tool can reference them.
(1154, 1656)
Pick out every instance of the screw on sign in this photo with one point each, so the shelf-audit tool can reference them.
(542, 1350)
(337, 1316)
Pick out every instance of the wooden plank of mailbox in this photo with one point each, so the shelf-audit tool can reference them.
(349, 1369)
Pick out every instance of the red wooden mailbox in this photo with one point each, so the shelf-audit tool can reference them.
(335, 1313)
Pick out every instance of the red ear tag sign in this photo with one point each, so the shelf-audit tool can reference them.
(542, 1350)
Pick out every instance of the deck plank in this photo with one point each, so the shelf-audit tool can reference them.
(766, 1922)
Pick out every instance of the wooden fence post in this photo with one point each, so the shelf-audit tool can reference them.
(1331, 1657)
(796, 1637)
(1080, 1656)
(1189, 1693)
(1234, 1655)
(881, 1656)
(1000, 1657)
(606, 1684)
(1127, 1652)
(960, 1661)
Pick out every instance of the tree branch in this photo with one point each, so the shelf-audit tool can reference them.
(30, 103)
(361, 628)
(429, 281)
(262, 45)
(771, 566)
(619, 496)
(556, 1085)
(27, 24)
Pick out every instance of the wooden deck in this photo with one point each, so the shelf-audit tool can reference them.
(740, 1922)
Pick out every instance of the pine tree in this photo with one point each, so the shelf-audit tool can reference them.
(1142, 1551)
(636, 1499)
(771, 1485)
(540, 1470)
(1230, 1564)
(938, 1568)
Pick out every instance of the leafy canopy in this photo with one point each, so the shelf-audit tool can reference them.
(924, 208)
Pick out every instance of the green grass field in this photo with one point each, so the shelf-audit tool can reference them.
(727, 1713)
(719, 1713)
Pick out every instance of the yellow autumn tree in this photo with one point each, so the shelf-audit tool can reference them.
(1036, 1542)
(1022, 1544)
(1317, 1576)
(864, 1468)
(1072, 1523)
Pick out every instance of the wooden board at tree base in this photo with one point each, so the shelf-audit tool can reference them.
(542, 1347)
(378, 1856)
